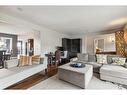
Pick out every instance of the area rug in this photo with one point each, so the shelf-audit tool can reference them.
(55, 83)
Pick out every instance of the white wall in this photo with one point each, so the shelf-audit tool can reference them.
(89, 45)
(45, 41)
(50, 39)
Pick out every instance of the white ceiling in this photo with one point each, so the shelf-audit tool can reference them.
(13, 29)
(71, 19)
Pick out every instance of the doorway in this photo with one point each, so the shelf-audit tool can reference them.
(19, 46)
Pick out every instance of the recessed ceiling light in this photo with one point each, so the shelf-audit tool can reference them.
(19, 9)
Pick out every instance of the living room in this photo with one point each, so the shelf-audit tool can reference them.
(95, 45)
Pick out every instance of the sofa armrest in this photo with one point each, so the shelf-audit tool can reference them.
(11, 63)
(41, 60)
(45, 61)
(74, 59)
(125, 65)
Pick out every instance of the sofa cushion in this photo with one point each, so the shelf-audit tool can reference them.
(96, 66)
(16, 74)
(109, 58)
(82, 57)
(118, 61)
(36, 59)
(101, 58)
(5, 73)
(74, 59)
(91, 58)
(114, 71)
(25, 61)
(25, 68)
(11, 63)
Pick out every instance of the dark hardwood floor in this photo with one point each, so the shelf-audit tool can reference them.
(33, 80)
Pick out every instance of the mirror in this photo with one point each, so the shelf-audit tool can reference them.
(104, 43)
(98, 45)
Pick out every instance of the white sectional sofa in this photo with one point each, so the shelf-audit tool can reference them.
(16, 74)
(108, 72)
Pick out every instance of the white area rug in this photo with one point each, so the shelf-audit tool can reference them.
(55, 83)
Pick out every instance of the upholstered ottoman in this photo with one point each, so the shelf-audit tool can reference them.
(117, 74)
(77, 76)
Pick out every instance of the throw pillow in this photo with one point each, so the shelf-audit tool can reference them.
(101, 58)
(118, 61)
(36, 59)
(24, 61)
(109, 58)
(82, 57)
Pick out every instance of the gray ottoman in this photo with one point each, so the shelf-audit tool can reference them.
(77, 76)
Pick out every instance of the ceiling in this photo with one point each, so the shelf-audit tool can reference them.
(16, 30)
(71, 19)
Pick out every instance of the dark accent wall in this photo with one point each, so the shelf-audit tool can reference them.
(14, 42)
(73, 46)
